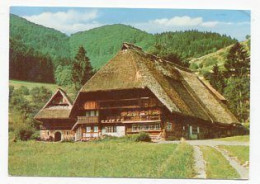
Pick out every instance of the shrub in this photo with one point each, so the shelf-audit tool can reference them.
(11, 90)
(36, 135)
(71, 139)
(24, 90)
(143, 137)
(24, 133)
(194, 66)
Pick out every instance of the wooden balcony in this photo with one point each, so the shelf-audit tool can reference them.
(87, 120)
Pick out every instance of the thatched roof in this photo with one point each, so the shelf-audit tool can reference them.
(58, 107)
(180, 90)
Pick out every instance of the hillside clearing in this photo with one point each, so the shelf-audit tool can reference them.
(17, 84)
(205, 63)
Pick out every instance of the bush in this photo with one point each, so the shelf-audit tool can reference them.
(36, 135)
(71, 139)
(194, 66)
(24, 90)
(143, 137)
(23, 131)
(11, 90)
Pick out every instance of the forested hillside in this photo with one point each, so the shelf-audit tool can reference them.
(190, 44)
(51, 51)
(104, 42)
(46, 41)
(205, 64)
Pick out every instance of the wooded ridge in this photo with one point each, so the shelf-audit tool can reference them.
(48, 48)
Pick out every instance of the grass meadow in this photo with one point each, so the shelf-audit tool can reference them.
(101, 159)
(17, 84)
(240, 152)
(243, 138)
(217, 167)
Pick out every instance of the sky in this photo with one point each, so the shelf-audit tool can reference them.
(234, 23)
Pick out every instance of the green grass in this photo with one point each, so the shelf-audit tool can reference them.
(243, 138)
(52, 87)
(17, 84)
(208, 61)
(100, 159)
(216, 165)
(241, 152)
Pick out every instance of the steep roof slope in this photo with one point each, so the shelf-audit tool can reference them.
(58, 107)
(177, 88)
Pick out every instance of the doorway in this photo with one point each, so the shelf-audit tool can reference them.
(57, 136)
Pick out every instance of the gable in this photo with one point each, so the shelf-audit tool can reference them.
(58, 107)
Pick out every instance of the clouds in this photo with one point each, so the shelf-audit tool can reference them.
(179, 21)
(74, 20)
(182, 23)
(185, 21)
(68, 22)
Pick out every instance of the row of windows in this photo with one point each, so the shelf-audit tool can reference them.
(136, 128)
(92, 113)
(110, 129)
(95, 129)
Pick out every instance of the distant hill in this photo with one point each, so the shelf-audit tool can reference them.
(104, 42)
(205, 63)
(46, 41)
(42, 45)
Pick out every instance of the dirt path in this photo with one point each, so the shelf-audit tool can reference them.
(199, 163)
(242, 171)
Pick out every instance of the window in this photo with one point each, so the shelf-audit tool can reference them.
(95, 128)
(157, 127)
(88, 129)
(169, 126)
(87, 113)
(194, 130)
(110, 129)
(90, 105)
(92, 113)
(134, 128)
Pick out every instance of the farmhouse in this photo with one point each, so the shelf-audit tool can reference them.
(139, 92)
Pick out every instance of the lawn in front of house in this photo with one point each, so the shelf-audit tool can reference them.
(242, 138)
(217, 167)
(101, 159)
(241, 152)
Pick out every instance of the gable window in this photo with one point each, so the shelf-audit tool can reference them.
(91, 113)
